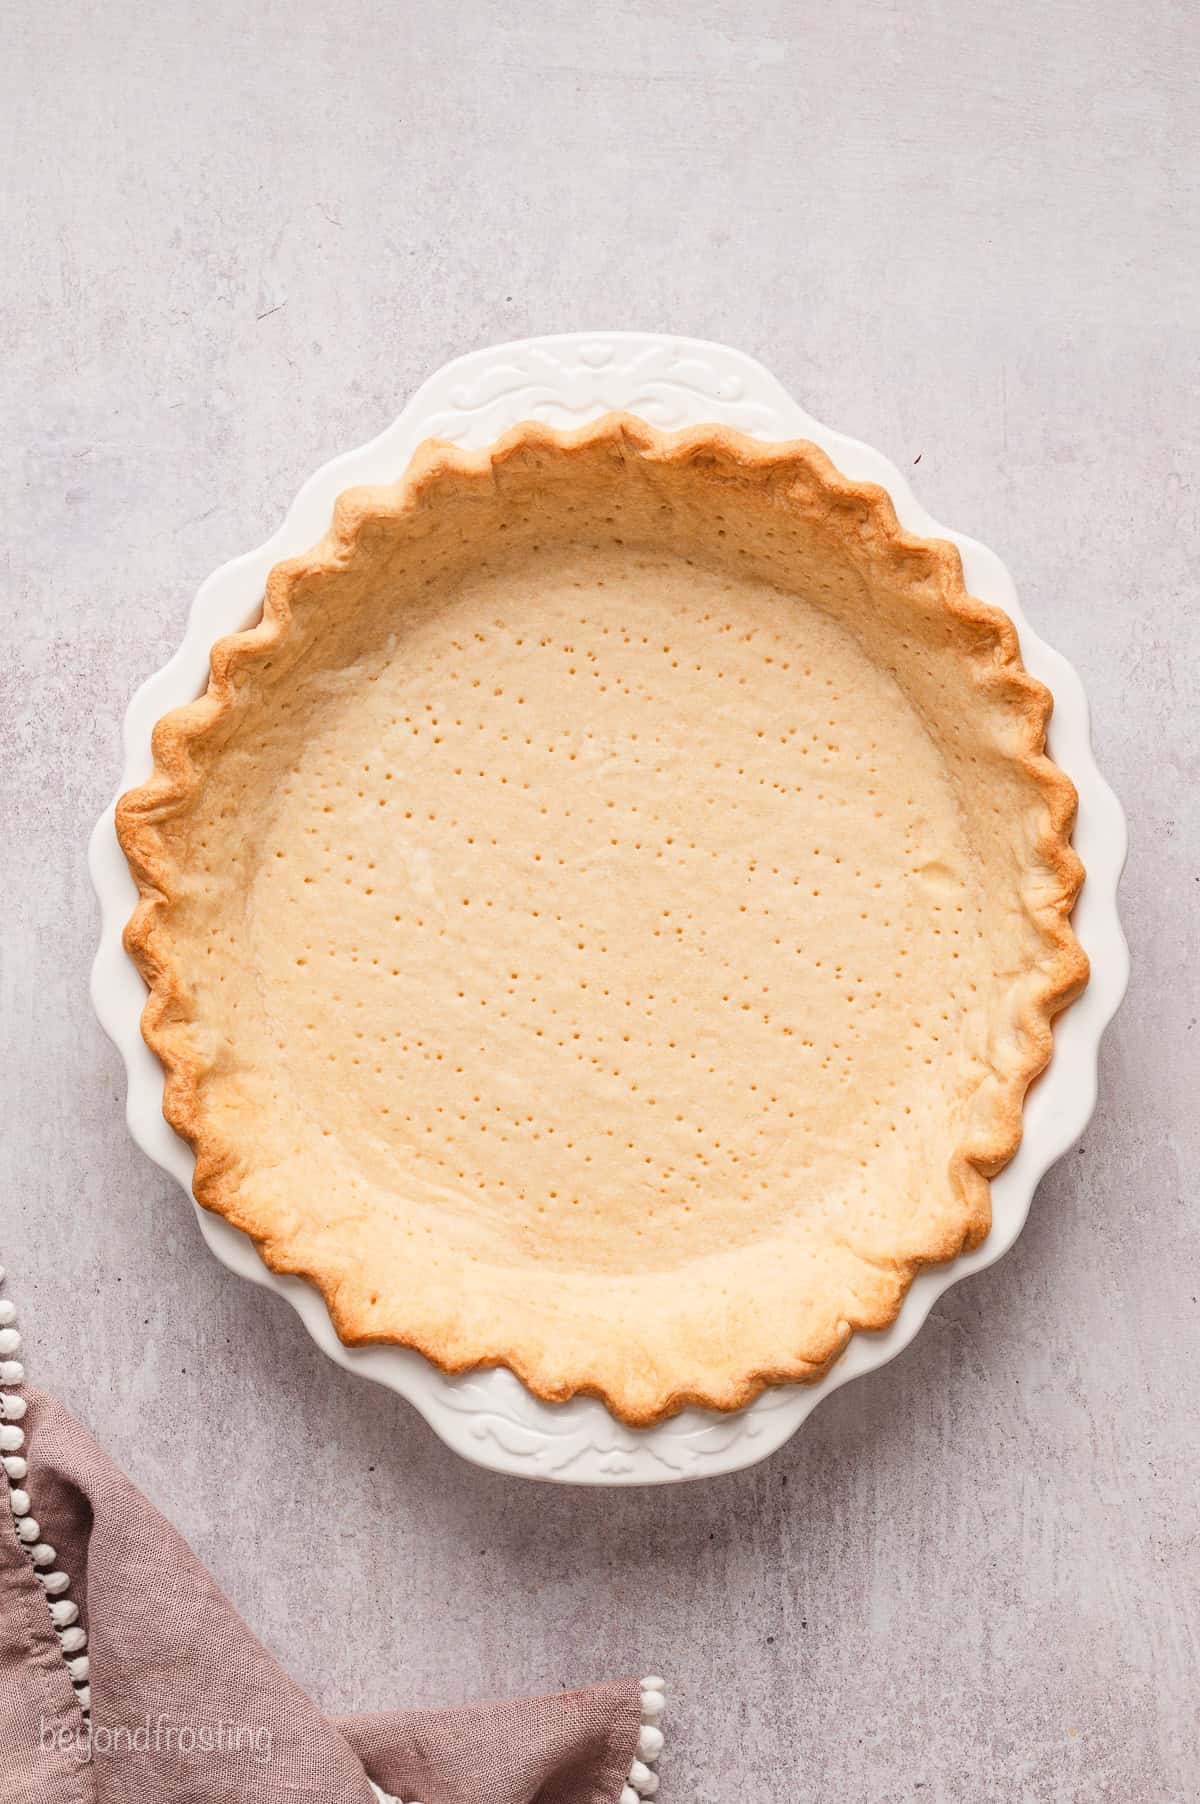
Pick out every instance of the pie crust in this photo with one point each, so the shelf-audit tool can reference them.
(604, 918)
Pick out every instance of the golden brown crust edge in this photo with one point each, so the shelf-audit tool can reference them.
(176, 782)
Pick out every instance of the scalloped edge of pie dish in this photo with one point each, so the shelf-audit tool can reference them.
(488, 1427)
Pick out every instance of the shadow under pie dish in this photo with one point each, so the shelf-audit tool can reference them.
(604, 918)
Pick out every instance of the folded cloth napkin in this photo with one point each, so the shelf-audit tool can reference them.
(177, 1702)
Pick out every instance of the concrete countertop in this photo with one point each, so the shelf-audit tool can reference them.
(236, 238)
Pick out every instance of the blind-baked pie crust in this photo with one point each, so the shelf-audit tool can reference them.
(603, 920)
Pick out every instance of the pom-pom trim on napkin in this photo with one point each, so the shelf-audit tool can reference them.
(64, 1613)
(641, 1781)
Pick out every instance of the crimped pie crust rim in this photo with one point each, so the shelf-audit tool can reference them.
(176, 780)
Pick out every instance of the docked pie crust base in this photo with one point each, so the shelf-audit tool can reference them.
(604, 919)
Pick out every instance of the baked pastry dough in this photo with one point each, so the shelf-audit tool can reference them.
(603, 920)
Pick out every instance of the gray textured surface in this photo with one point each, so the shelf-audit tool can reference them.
(236, 237)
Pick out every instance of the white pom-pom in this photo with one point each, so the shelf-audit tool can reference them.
(11, 1371)
(12, 1408)
(653, 1703)
(20, 1502)
(10, 1341)
(28, 1530)
(8, 1313)
(11, 1439)
(43, 1554)
(651, 1786)
(628, 1795)
(653, 1683)
(64, 1613)
(649, 1742)
(78, 1668)
(56, 1583)
(638, 1774)
(15, 1468)
(84, 1694)
(73, 1640)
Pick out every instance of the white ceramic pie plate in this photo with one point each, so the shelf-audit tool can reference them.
(488, 1416)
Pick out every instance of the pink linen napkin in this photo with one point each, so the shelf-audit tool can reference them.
(188, 1707)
